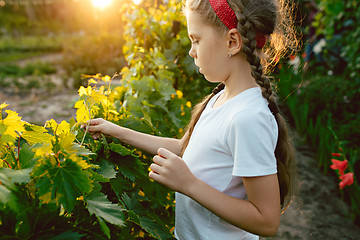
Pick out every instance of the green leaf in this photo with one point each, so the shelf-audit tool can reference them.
(17, 176)
(107, 169)
(98, 204)
(98, 178)
(26, 157)
(154, 228)
(63, 183)
(120, 149)
(5, 194)
(131, 167)
(136, 214)
(104, 228)
(37, 135)
(68, 235)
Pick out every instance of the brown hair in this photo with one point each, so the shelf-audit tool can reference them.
(269, 18)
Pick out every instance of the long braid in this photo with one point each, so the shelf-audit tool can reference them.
(284, 152)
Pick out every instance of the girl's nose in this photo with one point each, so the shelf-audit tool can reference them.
(192, 52)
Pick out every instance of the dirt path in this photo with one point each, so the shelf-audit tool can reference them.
(39, 107)
(318, 213)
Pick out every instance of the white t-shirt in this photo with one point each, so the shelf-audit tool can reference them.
(235, 140)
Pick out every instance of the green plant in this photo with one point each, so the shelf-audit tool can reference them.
(101, 191)
(337, 22)
(157, 38)
(344, 163)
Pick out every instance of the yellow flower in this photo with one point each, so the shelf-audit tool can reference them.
(179, 93)
(188, 104)
(92, 81)
(3, 105)
(106, 78)
(81, 198)
(141, 193)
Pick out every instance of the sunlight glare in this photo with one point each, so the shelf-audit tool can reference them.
(101, 3)
(137, 2)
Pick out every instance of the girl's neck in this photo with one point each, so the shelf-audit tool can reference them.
(239, 80)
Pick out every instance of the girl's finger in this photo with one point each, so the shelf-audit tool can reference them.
(156, 177)
(159, 160)
(165, 153)
(95, 121)
(96, 136)
(155, 168)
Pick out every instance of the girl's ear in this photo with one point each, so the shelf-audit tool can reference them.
(234, 41)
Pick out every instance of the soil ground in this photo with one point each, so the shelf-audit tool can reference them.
(317, 212)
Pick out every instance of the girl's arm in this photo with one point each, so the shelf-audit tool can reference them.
(260, 214)
(146, 142)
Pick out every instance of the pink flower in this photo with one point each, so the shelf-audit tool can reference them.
(347, 179)
(339, 165)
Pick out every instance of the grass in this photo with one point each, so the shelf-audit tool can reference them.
(15, 49)
(10, 57)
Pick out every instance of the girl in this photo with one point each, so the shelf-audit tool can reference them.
(232, 169)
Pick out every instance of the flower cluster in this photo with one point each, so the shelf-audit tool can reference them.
(341, 166)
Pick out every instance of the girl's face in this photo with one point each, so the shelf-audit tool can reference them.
(208, 48)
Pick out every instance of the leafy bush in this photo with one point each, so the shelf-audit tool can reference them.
(73, 186)
(337, 22)
(329, 95)
(157, 38)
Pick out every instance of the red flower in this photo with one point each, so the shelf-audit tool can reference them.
(347, 179)
(336, 154)
(339, 165)
(292, 57)
(304, 55)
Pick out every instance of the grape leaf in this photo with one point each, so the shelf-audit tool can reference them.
(37, 135)
(17, 176)
(98, 204)
(82, 112)
(63, 183)
(107, 169)
(27, 157)
(68, 235)
(14, 123)
(120, 149)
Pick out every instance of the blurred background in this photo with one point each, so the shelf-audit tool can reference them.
(48, 47)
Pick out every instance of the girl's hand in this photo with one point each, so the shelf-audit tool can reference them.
(171, 171)
(99, 126)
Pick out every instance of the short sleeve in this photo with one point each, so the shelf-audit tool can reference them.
(251, 139)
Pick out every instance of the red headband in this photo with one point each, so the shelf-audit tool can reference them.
(261, 40)
(224, 12)
(228, 18)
